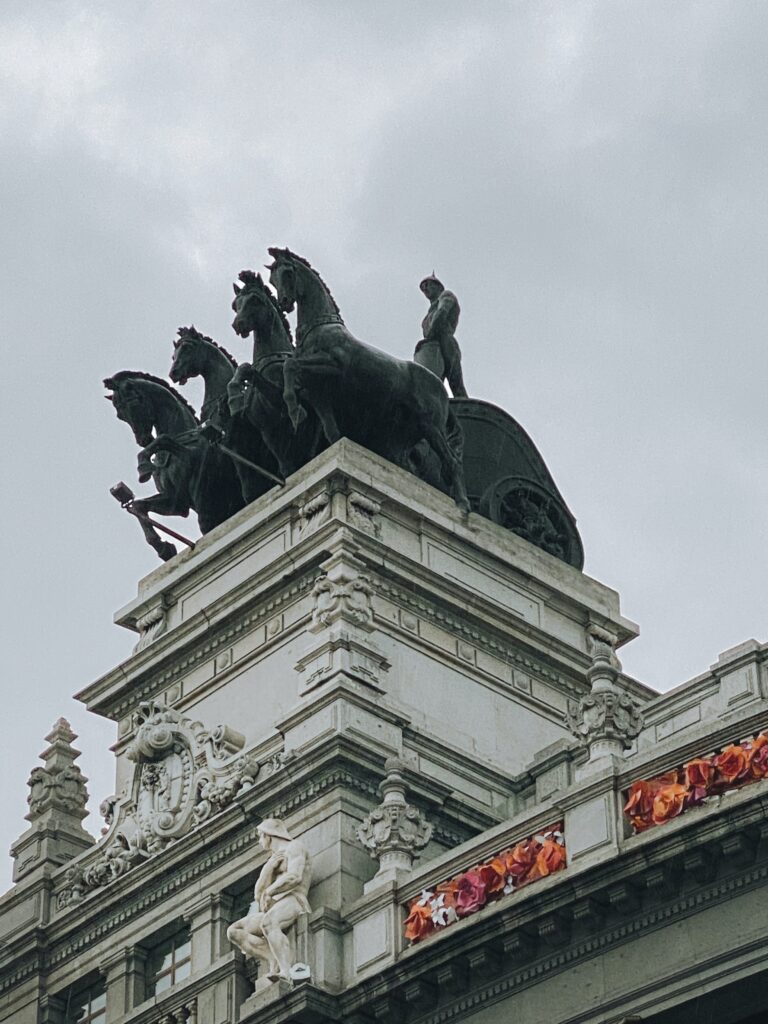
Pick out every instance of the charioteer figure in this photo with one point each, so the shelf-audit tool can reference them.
(438, 350)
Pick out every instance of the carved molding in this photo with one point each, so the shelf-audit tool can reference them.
(181, 666)
(605, 716)
(395, 831)
(347, 598)
(151, 625)
(363, 513)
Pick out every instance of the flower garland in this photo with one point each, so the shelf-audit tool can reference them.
(653, 801)
(533, 858)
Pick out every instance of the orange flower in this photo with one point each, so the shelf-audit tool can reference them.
(640, 802)
(419, 922)
(520, 859)
(668, 802)
(731, 763)
(549, 859)
(758, 757)
(699, 773)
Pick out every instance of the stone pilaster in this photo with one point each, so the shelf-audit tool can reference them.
(395, 831)
(57, 805)
(125, 972)
(342, 623)
(208, 920)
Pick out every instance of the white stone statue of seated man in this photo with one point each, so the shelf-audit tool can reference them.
(279, 899)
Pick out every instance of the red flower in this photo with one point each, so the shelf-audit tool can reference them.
(699, 773)
(758, 757)
(419, 922)
(731, 764)
(493, 875)
(470, 893)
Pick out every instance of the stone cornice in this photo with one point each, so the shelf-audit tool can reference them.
(140, 678)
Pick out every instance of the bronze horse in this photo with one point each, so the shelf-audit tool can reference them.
(256, 392)
(197, 355)
(388, 405)
(187, 470)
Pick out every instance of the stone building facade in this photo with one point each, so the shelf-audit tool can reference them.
(436, 708)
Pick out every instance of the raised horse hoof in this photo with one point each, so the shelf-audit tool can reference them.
(297, 415)
(166, 551)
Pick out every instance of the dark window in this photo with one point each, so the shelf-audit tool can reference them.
(89, 1006)
(169, 962)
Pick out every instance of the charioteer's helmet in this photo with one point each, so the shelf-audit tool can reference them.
(274, 827)
(431, 280)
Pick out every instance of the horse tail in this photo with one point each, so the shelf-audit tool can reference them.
(454, 435)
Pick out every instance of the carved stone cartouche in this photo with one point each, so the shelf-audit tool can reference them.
(184, 774)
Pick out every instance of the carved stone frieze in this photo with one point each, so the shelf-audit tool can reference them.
(184, 774)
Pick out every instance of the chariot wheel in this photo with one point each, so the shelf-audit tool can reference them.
(536, 515)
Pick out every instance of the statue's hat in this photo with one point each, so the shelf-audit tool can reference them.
(274, 827)
(429, 279)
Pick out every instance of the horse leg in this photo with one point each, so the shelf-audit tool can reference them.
(291, 382)
(164, 548)
(449, 455)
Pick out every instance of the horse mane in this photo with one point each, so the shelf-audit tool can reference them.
(204, 337)
(116, 378)
(287, 254)
(251, 280)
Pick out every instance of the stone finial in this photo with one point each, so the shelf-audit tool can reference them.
(395, 831)
(606, 720)
(57, 805)
(60, 785)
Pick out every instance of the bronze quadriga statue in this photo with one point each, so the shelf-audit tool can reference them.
(264, 419)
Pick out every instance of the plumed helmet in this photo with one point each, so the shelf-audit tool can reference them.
(274, 827)
(431, 280)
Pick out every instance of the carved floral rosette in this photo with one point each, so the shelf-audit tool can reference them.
(659, 799)
(537, 857)
(184, 774)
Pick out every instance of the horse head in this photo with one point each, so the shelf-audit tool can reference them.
(147, 403)
(250, 304)
(188, 355)
(283, 278)
(131, 407)
(257, 310)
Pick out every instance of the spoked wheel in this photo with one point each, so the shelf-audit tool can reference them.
(525, 508)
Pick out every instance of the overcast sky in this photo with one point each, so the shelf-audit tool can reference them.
(589, 178)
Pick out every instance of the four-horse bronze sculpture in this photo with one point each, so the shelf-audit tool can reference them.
(262, 420)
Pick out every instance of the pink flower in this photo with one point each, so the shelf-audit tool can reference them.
(470, 893)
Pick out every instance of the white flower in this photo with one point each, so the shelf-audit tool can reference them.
(425, 897)
(510, 886)
(442, 915)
